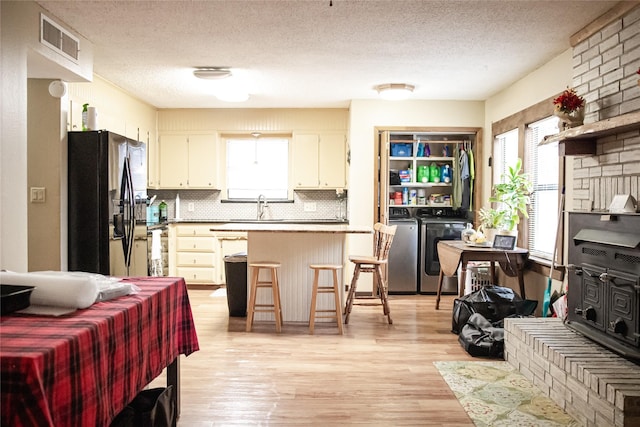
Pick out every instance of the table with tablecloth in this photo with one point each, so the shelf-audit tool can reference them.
(81, 369)
(454, 253)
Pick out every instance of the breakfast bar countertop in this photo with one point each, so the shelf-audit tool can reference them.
(292, 228)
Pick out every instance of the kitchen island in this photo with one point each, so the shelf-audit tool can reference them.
(295, 246)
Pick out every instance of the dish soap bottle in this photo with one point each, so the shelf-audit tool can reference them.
(85, 117)
(163, 211)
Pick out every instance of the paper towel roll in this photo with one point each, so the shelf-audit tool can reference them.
(58, 290)
(92, 118)
(156, 244)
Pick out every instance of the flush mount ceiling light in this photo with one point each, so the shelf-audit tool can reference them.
(212, 73)
(395, 91)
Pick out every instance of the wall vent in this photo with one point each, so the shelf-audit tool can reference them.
(58, 39)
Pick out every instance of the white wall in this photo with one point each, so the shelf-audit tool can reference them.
(13, 147)
(545, 82)
(23, 57)
(365, 116)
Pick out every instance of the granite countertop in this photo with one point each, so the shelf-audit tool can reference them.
(287, 227)
(255, 221)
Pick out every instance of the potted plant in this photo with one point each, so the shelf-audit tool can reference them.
(569, 107)
(512, 196)
(490, 222)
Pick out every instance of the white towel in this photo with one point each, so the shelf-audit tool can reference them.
(57, 290)
(156, 244)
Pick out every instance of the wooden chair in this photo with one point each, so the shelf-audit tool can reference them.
(276, 306)
(333, 288)
(383, 237)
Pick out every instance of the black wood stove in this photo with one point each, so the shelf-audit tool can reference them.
(603, 298)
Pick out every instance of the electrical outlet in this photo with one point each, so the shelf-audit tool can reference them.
(310, 207)
(191, 207)
(37, 194)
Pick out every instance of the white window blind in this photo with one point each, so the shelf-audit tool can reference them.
(257, 166)
(505, 153)
(542, 165)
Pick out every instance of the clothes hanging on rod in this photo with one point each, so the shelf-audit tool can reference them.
(472, 174)
(465, 179)
(457, 185)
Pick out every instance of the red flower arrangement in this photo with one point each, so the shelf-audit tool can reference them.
(568, 101)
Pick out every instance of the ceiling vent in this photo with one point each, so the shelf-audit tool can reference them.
(57, 38)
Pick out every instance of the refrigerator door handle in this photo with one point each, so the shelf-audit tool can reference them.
(128, 200)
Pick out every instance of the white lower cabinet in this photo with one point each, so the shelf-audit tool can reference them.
(193, 253)
(197, 254)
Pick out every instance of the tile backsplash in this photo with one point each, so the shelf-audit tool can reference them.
(211, 205)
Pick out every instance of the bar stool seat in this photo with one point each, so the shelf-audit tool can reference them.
(333, 288)
(272, 283)
(383, 237)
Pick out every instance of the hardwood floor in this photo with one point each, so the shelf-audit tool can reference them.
(375, 374)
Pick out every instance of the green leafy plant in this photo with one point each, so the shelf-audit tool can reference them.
(512, 196)
(490, 218)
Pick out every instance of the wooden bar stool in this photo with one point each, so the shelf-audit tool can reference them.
(325, 289)
(275, 307)
(383, 237)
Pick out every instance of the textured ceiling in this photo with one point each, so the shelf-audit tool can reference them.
(308, 53)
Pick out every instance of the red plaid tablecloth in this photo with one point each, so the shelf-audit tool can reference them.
(83, 368)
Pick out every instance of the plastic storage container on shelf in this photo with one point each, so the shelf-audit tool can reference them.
(401, 150)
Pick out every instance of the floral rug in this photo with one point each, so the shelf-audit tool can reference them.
(496, 394)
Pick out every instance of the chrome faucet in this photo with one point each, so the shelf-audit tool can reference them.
(261, 206)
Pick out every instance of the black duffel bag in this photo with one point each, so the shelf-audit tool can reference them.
(150, 408)
(493, 302)
(480, 338)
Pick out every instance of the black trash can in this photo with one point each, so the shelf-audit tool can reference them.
(235, 269)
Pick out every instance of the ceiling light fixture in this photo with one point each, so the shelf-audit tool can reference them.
(212, 73)
(395, 91)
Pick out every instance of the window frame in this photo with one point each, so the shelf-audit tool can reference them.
(520, 121)
(223, 163)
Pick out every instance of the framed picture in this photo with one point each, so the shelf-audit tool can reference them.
(504, 242)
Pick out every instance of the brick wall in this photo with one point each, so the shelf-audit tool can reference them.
(605, 69)
(594, 385)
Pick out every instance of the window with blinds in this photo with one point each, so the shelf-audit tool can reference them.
(542, 165)
(257, 166)
(505, 153)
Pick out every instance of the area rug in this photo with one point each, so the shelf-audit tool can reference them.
(496, 394)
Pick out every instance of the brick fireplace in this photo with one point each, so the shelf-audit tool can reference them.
(592, 383)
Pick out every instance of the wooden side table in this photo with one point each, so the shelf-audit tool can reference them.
(452, 253)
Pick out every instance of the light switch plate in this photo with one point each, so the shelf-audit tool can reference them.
(310, 207)
(190, 207)
(37, 195)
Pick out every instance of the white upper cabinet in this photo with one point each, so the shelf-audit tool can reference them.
(188, 161)
(202, 161)
(319, 161)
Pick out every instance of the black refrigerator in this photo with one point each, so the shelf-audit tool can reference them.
(107, 198)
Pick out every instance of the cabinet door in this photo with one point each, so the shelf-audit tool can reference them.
(305, 161)
(332, 161)
(116, 260)
(139, 254)
(202, 161)
(174, 161)
(152, 162)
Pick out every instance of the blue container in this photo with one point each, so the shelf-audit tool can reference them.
(401, 150)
